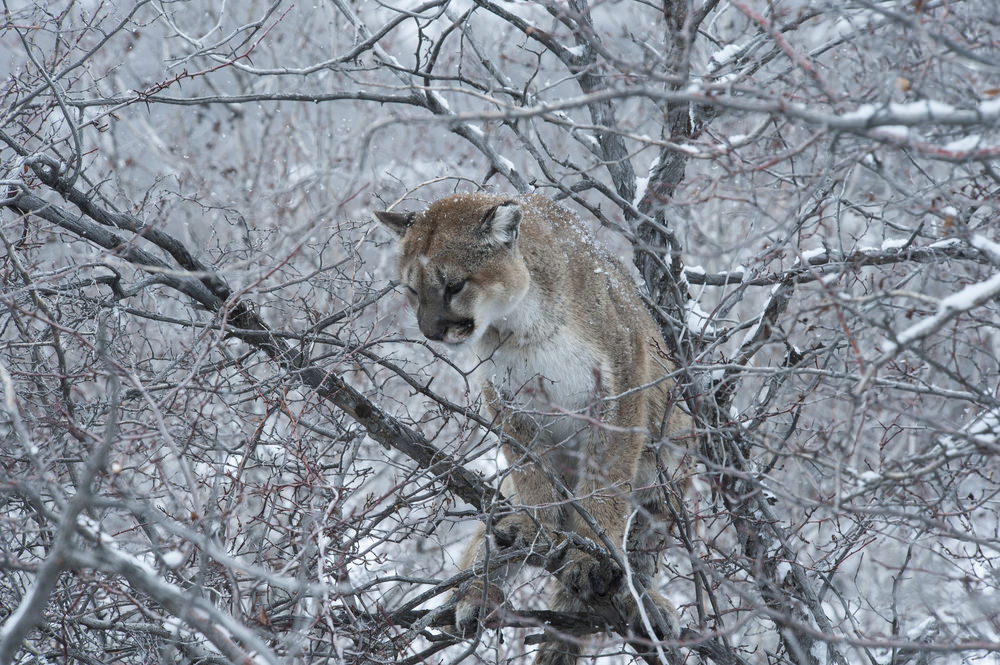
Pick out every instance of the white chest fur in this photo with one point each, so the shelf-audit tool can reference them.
(542, 367)
(557, 386)
(555, 380)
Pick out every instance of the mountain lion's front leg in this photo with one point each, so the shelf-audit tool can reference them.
(606, 494)
(534, 516)
(480, 596)
(603, 492)
(598, 582)
(538, 508)
(608, 497)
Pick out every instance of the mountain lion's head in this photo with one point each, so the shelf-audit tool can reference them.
(460, 264)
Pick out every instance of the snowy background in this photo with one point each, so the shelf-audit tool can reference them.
(208, 412)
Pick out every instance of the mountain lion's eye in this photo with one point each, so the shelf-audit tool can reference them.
(453, 289)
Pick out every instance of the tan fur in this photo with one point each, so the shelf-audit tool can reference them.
(573, 369)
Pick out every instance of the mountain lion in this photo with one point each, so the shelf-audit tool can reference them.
(574, 369)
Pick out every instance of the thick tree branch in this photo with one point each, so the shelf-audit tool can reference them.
(382, 427)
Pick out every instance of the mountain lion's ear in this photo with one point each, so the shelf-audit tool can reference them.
(397, 222)
(500, 223)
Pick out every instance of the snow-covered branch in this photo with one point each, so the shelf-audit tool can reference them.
(948, 308)
(823, 263)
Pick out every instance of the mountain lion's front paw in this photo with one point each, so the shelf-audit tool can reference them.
(589, 579)
(477, 603)
(515, 531)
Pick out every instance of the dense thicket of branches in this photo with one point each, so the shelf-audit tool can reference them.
(224, 440)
